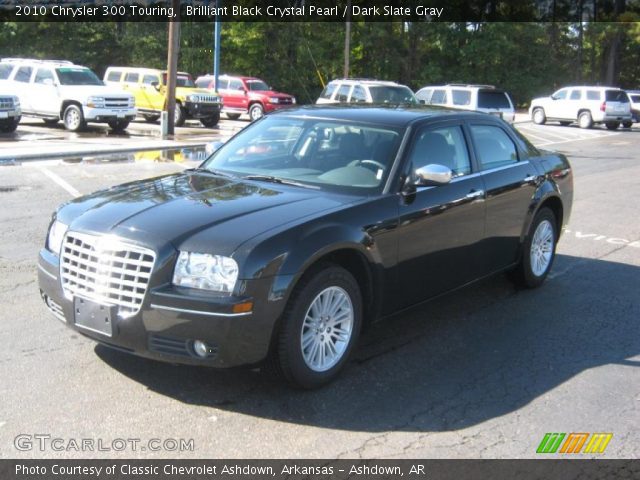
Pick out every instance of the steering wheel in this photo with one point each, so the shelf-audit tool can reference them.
(368, 162)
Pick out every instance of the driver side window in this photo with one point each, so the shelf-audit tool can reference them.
(443, 146)
(560, 95)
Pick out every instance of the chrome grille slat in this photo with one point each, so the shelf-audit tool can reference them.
(106, 270)
(6, 103)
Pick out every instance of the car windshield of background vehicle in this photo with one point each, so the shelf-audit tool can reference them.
(385, 94)
(324, 154)
(490, 99)
(77, 76)
(635, 98)
(181, 81)
(257, 85)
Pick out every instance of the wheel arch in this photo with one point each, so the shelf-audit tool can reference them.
(65, 104)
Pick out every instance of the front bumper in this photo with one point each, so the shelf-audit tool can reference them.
(104, 115)
(202, 110)
(4, 114)
(171, 319)
(272, 107)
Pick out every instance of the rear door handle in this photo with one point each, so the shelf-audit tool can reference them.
(475, 194)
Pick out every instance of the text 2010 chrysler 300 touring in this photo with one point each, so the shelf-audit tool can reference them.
(299, 231)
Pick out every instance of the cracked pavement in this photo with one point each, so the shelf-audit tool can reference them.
(483, 372)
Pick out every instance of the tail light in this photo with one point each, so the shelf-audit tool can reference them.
(603, 107)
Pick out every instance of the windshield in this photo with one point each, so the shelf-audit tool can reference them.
(319, 153)
(387, 94)
(77, 76)
(258, 85)
(182, 80)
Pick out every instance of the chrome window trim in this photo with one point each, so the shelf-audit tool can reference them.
(491, 170)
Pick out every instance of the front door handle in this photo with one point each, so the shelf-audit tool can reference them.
(475, 194)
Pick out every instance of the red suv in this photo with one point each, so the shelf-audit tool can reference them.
(246, 95)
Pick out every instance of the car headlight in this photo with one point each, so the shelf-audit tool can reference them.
(56, 236)
(206, 272)
(95, 102)
(132, 102)
(274, 99)
(192, 98)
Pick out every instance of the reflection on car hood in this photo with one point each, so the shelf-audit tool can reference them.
(176, 207)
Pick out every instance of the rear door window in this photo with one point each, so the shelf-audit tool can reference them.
(23, 74)
(343, 93)
(593, 95)
(493, 99)
(358, 95)
(131, 77)
(575, 95)
(114, 76)
(494, 148)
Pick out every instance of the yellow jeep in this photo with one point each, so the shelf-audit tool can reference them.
(149, 86)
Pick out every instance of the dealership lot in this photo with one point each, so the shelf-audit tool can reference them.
(483, 372)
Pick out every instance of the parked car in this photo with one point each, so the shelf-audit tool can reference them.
(149, 86)
(9, 112)
(300, 230)
(356, 90)
(585, 105)
(481, 98)
(246, 95)
(634, 99)
(57, 90)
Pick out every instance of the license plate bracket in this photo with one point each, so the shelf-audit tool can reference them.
(93, 316)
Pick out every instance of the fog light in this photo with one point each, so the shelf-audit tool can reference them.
(201, 348)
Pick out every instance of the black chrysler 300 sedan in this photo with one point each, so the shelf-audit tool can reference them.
(299, 231)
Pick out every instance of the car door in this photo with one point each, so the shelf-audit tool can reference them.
(150, 93)
(44, 92)
(440, 227)
(557, 108)
(21, 83)
(510, 180)
(237, 95)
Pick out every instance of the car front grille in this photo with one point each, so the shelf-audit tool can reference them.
(6, 103)
(177, 346)
(106, 270)
(285, 100)
(205, 98)
(116, 102)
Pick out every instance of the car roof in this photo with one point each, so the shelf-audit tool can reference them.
(366, 81)
(591, 87)
(389, 115)
(143, 70)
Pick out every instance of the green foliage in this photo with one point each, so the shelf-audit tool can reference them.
(527, 59)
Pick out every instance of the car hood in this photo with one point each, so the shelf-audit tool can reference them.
(176, 208)
(271, 93)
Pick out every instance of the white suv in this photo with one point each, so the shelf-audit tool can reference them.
(355, 90)
(585, 105)
(634, 98)
(481, 98)
(59, 90)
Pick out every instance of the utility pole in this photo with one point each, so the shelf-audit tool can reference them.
(172, 70)
(216, 46)
(347, 40)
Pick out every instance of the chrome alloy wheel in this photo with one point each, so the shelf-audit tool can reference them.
(541, 251)
(73, 119)
(326, 330)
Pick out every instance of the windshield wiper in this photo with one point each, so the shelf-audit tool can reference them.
(210, 170)
(272, 179)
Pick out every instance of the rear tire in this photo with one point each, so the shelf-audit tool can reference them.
(320, 328)
(210, 122)
(585, 120)
(538, 116)
(539, 251)
(74, 118)
(233, 116)
(612, 125)
(627, 124)
(179, 116)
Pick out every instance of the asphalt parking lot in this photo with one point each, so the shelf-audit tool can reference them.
(484, 372)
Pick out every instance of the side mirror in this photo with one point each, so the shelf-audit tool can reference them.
(433, 174)
(48, 81)
(156, 85)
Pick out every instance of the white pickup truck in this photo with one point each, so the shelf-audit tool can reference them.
(57, 90)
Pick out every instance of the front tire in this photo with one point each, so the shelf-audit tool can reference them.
(211, 121)
(10, 125)
(539, 251)
(612, 125)
(118, 125)
(73, 118)
(627, 124)
(320, 328)
(179, 116)
(538, 116)
(150, 118)
(256, 112)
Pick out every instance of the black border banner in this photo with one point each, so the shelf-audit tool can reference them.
(318, 10)
(547, 469)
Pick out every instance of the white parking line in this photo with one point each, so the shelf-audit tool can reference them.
(60, 181)
(572, 140)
